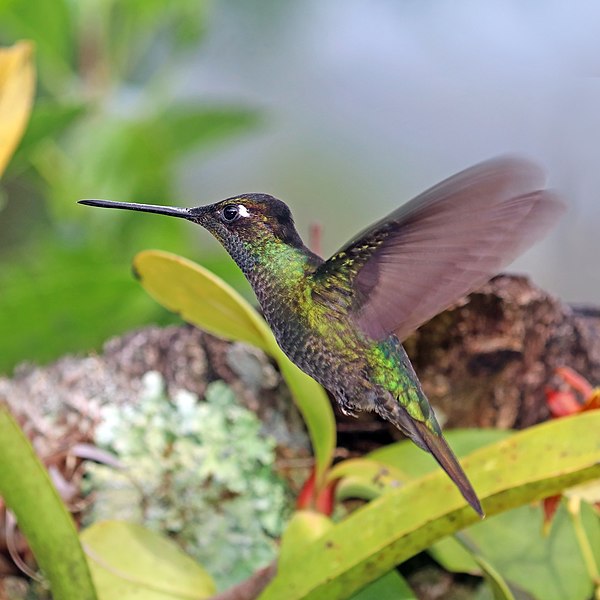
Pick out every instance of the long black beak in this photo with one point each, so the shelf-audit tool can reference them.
(171, 211)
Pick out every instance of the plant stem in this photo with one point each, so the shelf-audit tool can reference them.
(574, 508)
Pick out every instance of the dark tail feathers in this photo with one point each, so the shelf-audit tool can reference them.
(434, 443)
(441, 451)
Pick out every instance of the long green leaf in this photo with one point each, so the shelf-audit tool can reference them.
(42, 517)
(402, 523)
(205, 300)
(313, 403)
(413, 462)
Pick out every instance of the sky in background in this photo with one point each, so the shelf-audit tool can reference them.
(368, 103)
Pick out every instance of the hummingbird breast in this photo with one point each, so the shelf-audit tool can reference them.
(319, 339)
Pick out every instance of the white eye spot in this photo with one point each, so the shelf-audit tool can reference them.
(243, 211)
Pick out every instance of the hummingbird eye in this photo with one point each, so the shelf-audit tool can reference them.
(230, 213)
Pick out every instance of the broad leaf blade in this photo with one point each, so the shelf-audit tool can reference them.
(42, 517)
(199, 297)
(74, 289)
(129, 562)
(188, 126)
(546, 566)
(402, 523)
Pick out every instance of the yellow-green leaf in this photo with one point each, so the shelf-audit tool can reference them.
(130, 562)
(365, 478)
(205, 300)
(17, 86)
(413, 462)
(303, 528)
(28, 491)
(313, 403)
(402, 523)
(200, 297)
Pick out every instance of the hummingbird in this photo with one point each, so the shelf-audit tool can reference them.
(343, 320)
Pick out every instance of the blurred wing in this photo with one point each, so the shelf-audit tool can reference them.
(443, 244)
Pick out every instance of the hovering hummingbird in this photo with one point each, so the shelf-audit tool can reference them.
(342, 320)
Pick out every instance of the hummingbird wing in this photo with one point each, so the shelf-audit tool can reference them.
(443, 244)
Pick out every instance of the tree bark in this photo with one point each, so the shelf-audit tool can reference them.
(488, 361)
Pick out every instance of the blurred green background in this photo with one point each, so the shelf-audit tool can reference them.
(343, 109)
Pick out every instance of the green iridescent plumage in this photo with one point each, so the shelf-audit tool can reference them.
(342, 320)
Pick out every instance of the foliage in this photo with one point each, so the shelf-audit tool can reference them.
(129, 562)
(105, 122)
(25, 485)
(91, 89)
(547, 564)
(28, 492)
(506, 473)
(333, 566)
(185, 287)
(202, 471)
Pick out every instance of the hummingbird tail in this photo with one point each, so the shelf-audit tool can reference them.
(441, 451)
(431, 442)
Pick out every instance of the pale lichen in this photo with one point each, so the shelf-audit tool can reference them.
(200, 471)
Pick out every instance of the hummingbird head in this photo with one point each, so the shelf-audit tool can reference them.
(243, 224)
(246, 220)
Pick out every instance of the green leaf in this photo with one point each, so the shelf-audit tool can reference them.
(549, 567)
(413, 462)
(42, 517)
(200, 297)
(208, 302)
(313, 403)
(392, 586)
(392, 466)
(49, 119)
(495, 581)
(134, 159)
(454, 557)
(499, 587)
(303, 528)
(365, 478)
(130, 562)
(402, 523)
